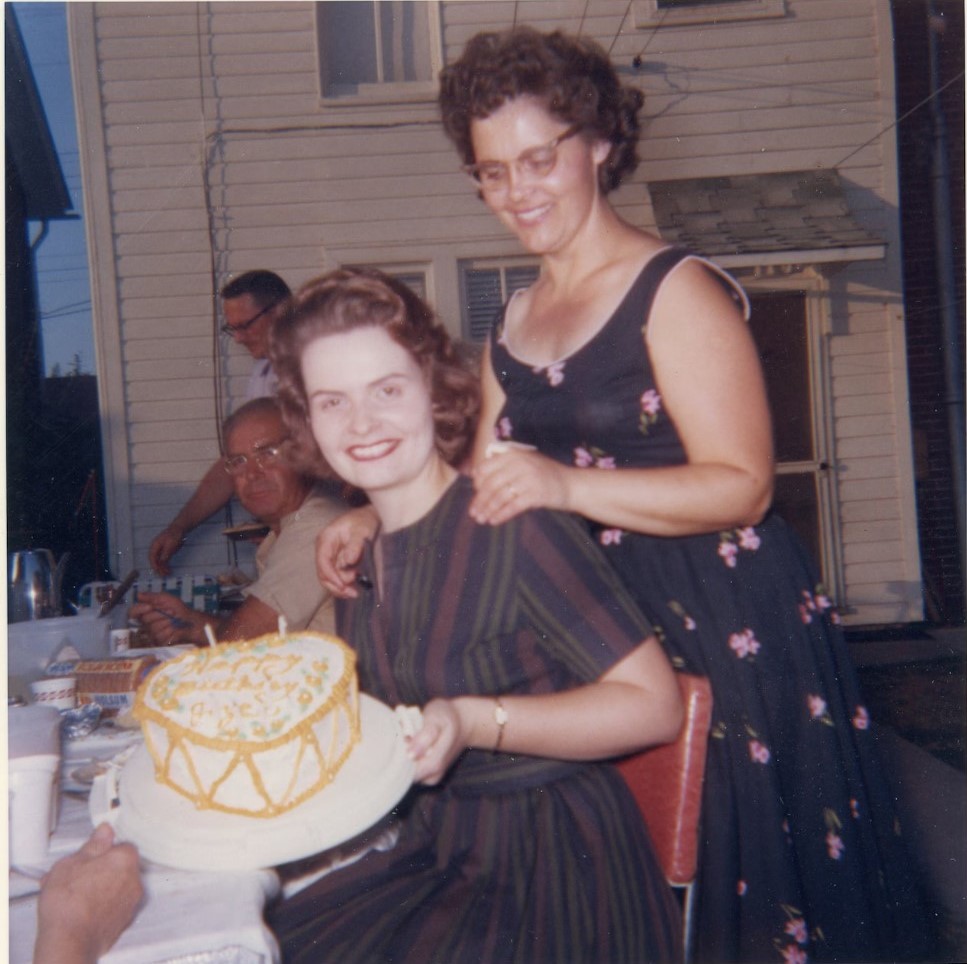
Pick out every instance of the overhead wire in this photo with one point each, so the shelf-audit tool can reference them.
(637, 61)
(926, 100)
(617, 33)
(638, 57)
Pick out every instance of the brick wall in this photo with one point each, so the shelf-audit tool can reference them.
(941, 559)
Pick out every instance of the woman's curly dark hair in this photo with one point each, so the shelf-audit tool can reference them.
(572, 76)
(352, 298)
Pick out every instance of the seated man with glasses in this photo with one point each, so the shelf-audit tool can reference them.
(294, 511)
(250, 303)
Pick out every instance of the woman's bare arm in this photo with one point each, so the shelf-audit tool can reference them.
(711, 384)
(635, 704)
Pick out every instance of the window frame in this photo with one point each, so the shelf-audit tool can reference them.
(389, 92)
(400, 271)
(815, 288)
(502, 265)
(648, 13)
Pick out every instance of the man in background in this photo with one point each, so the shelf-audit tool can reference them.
(250, 304)
(293, 509)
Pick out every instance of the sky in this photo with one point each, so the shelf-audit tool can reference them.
(62, 266)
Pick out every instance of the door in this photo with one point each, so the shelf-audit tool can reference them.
(790, 345)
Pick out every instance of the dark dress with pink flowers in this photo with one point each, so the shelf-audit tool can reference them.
(801, 856)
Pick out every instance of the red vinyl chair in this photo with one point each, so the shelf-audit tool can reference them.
(667, 784)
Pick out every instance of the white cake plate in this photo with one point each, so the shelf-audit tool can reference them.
(169, 829)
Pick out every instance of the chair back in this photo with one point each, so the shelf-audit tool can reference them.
(667, 784)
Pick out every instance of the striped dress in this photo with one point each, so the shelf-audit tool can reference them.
(511, 858)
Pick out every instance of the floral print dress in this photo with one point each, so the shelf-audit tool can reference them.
(801, 856)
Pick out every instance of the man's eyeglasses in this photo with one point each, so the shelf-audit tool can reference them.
(263, 457)
(493, 177)
(245, 325)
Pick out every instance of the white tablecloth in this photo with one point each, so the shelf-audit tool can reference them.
(187, 917)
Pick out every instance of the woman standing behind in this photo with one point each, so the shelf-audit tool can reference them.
(521, 645)
(629, 366)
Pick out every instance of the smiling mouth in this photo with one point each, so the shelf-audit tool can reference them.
(532, 215)
(374, 451)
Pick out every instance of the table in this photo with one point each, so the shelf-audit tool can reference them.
(187, 916)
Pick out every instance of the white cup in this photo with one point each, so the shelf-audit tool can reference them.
(120, 640)
(60, 692)
(92, 594)
(32, 793)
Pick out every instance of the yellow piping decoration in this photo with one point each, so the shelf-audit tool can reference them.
(273, 697)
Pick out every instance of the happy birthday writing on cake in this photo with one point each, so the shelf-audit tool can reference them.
(254, 685)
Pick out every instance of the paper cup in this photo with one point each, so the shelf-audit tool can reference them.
(33, 798)
(120, 640)
(56, 691)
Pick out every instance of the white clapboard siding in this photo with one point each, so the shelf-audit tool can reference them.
(219, 154)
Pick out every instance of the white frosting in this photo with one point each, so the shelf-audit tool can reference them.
(252, 728)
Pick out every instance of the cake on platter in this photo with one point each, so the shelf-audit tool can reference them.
(253, 728)
(256, 754)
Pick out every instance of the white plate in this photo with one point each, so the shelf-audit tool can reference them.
(93, 751)
(168, 829)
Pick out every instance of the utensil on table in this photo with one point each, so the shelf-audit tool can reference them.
(126, 583)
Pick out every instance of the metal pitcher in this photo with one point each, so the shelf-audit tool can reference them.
(34, 584)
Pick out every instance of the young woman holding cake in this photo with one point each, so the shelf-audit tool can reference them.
(526, 654)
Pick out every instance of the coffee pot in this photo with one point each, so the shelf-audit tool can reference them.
(34, 584)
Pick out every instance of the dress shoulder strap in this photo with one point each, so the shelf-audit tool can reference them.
(664, 263)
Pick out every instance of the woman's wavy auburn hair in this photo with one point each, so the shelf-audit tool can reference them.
(572, 76)
(349, 299)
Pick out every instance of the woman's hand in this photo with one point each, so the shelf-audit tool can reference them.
(438, 743)
(339, 547)
(513, 480)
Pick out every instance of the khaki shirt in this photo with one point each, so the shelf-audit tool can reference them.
(286, 565)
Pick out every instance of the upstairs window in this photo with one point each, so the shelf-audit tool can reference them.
(674, 13)
(484, 288)
(378, 49)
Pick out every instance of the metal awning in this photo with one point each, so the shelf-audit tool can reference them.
(790, 217)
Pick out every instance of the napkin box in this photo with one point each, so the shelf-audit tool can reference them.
(111, 683)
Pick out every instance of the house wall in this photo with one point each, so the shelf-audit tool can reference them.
(209, 151)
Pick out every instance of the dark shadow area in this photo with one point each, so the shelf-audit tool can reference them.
(925, 701)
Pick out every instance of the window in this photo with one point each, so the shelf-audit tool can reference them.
(677, 4)
(414, 277)
(414, 280)
(381, 49)
(483, 290)
(673, 13)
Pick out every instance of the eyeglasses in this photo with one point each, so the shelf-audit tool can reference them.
(245, 325)
(263, 457)
(493, 177)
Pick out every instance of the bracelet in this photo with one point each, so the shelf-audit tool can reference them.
(500, 718)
